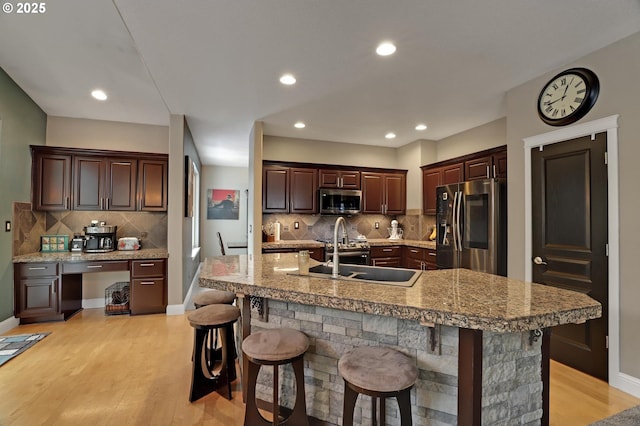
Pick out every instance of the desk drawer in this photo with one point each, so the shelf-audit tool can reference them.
(96, 266)
(147, 268)
(37, 269)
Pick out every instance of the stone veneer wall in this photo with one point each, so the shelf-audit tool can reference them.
(511, 380)
(150, 227)
(316, 227)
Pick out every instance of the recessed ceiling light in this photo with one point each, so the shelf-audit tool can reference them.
(299, 125)
(385, 49)
(99, 95)
(390, 135)
(288, 79)
(421, 127)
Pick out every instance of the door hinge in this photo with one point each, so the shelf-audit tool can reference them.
(606, 157)
(606, 248)
(606, 341)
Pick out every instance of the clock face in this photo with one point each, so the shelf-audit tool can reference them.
(568, 96)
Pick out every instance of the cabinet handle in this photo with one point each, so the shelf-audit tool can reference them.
(37, 268)
(387, 249)
(107, 200)
(147, 282)
(94, 266)
(143, 265)
(495, 175)
(431, 254)
(414, 251)
(488, 172)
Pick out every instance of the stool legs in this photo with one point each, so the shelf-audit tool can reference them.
(378, 410)
(203, 378)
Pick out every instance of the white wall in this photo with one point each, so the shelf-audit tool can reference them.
(479, 138)
(218, 177)
(409, 157)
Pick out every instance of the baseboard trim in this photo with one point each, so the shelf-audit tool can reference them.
(93, 303)
(9, 324)
(626, 383)
(175, 309)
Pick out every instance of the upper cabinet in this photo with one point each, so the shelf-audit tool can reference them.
(289, 189)
(384, 193)
(67, 178)
(491, 163)
(347, 179)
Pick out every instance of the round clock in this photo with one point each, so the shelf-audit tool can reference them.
(568, 96)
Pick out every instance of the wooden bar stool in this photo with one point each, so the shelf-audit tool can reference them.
(205, 379)
(275, 347)
(215, 297)
(380, 373)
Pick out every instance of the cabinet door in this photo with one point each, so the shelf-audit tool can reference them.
(350, 179)
(51, 182)
(303, 191)
(431, 179)
(389, 262)
(478, 168)
(316, 254)
(372, 192)
(431, 260)
(453, 173)
(147, 296)
(38, 296)
(275, 189)
(329, 178)
(396, 194)
(89, 183)
(121, 184)
(500, 165)
(152, 185)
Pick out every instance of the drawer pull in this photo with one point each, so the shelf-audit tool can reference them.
(147, 282)
(431, 254)
(94, 266)
(387, 249)
(414, 251)
(37, 268)
(143, 265)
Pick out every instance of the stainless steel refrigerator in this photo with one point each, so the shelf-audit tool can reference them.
(471, 226)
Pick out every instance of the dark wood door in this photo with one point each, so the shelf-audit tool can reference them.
(372, 192)
(275, 189)
(500, 165)
(38, 297)
(431, 178)
(569, 203)
(122, 175)
(152, 185)
(452, 173)
(51, 182)
(303, 190)
(478, 168)
(350, 179)
(89, 182)
(395, 193)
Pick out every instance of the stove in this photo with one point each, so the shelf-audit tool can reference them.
(353, 252)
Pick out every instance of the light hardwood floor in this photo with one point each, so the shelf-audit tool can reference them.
(120, 370)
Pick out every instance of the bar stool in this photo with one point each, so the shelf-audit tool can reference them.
(275, 347)
(204, 379)
(213, 297)
(380, 373)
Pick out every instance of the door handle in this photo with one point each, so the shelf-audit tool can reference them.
(538, 261)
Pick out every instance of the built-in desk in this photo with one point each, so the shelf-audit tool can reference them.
(48, 286)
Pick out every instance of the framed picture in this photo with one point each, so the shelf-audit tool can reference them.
(223, 204)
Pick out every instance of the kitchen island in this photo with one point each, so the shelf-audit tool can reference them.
(480, 341)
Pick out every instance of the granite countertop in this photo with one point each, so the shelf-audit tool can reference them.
(285, 244)
(65, 256)
(453, 297)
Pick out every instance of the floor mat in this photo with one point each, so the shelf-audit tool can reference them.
(11, 346)
(630, 417)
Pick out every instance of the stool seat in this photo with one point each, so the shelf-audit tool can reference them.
(275, 344)
(378, 369)
(212, 315)
(214, 297)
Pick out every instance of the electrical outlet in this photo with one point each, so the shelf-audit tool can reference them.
(285, 228)
(7, 226)
(143, 235)
(296, 225)
(377, 225)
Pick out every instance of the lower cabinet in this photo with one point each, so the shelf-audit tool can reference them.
(37, 290)
(390, 256)
(315, 253)
(148, 287)
(419, 258)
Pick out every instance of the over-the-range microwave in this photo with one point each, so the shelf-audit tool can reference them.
(340, 201)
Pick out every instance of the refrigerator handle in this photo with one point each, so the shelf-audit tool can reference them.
(458, 222)
(453, 221)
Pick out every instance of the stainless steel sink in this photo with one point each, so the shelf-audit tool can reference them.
(370, 274)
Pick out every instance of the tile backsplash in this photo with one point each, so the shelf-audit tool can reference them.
(29, 225)
(315, 227)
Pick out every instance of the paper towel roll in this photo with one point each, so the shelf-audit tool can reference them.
(276, 231)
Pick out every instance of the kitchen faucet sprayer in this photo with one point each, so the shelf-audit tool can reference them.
(345, 238)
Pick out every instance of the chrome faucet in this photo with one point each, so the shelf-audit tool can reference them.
(345, 238)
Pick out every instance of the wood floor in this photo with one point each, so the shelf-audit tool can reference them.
(107, 370)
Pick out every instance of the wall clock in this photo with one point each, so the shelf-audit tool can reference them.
(568, 96)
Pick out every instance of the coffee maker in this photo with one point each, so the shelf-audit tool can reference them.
(99, 237)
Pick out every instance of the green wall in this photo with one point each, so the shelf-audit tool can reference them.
(22, 123)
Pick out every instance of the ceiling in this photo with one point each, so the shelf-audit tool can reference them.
(218, 62)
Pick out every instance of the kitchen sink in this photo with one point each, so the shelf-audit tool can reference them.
(370, 274)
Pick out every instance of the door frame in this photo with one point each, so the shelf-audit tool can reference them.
(610, 125)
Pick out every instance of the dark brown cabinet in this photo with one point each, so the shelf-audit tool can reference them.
(68, 178)
(51, 181)
(485, 167)
(434, 177)
(390, 256)
(315, 253)
(37, 290)
(419, 258)
(148, 286)
(289, 190)
(384, 193)
(347, 179)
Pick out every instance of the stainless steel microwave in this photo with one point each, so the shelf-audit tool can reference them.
(340, 201)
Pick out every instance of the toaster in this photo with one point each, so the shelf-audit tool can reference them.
(128, 243)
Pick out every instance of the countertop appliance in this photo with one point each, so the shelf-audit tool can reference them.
(340, 201)
(471, 226)
(351, 252)
(100, 238)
